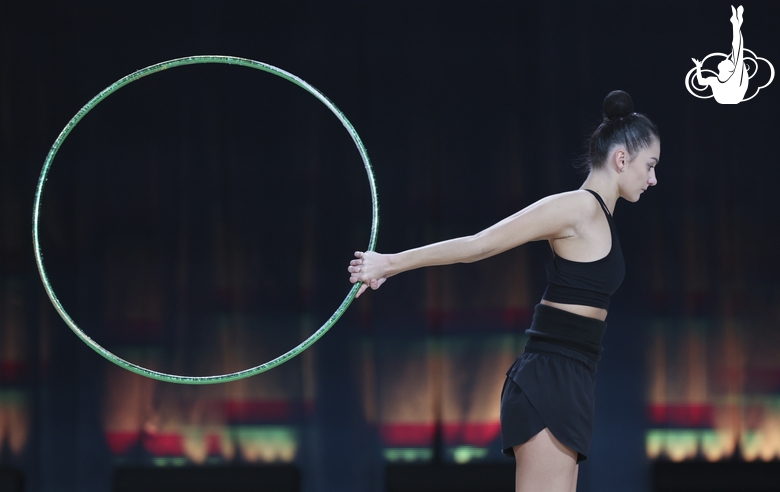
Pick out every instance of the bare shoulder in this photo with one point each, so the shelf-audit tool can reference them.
(577, 204)
(564, 215)
(556, 216)
(579, 209)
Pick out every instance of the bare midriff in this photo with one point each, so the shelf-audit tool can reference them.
(587, 311)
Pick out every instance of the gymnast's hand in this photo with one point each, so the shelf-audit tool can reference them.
(370, 268)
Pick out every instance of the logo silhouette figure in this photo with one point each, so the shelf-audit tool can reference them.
(730, 84)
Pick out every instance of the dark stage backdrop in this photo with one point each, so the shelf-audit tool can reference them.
(201, 220)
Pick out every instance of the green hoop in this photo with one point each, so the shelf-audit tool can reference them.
(229, 60)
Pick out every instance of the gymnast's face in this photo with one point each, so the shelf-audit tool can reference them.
(639, 173)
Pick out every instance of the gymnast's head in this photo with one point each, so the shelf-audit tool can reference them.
(621, 130)
(725, 70)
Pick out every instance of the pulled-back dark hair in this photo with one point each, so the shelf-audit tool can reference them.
(620, 126)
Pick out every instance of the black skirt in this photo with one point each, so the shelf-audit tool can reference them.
(552, 384)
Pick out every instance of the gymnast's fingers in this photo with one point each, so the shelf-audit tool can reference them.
(361, 290)
(375, 284)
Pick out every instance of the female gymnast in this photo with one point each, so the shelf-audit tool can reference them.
(547, 400)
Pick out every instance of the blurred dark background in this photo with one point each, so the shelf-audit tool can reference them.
(200, 221)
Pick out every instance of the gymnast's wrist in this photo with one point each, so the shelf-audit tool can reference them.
(394, 264)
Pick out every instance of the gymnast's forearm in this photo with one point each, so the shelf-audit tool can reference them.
(465, 249)
(699, 78)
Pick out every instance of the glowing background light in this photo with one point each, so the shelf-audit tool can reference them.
(701, 376)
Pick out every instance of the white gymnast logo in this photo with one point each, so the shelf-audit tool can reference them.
(730, 84)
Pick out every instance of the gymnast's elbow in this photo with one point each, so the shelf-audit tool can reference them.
(477, 247)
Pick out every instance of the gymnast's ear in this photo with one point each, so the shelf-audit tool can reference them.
(619, 159)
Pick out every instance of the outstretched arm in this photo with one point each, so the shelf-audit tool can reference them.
(701, 80)
(556, 216)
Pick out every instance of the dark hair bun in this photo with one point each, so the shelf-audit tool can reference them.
(617, 104)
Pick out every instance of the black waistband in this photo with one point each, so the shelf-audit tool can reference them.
(552, 327)
(545, 348)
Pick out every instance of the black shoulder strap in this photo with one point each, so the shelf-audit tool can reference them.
(601, 202)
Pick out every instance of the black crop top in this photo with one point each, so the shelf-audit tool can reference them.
(587, 283)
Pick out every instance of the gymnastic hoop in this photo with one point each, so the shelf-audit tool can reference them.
(191, 60)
